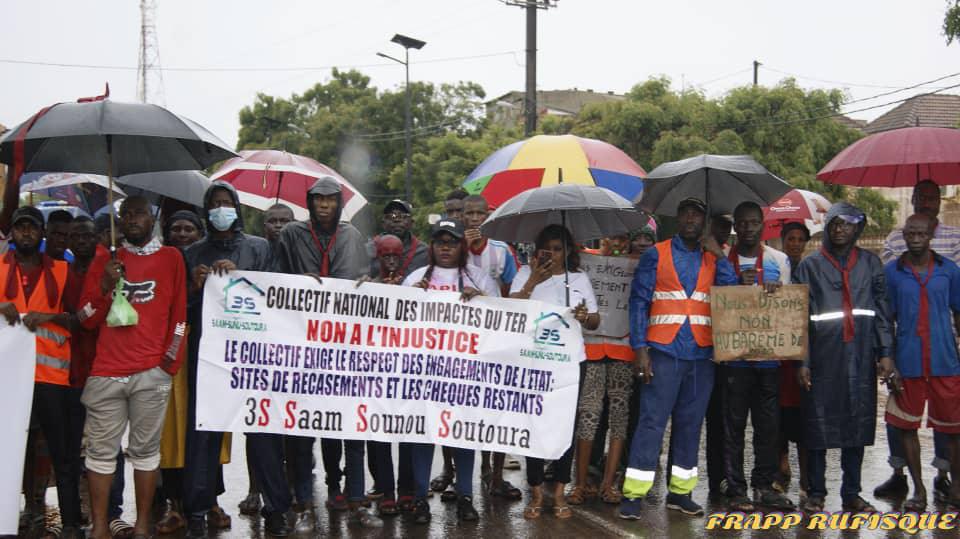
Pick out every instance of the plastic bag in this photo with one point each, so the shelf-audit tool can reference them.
(121, 312)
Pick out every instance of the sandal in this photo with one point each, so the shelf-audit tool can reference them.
(405, 504)
(388, 507)
(916, 505)
(611, 495)
(119, 529)
(532, 511)
(859, 505)
(171, 521)
(562, 511)
(53, 531)
(218, 519)
(580, 495)
(442, 481)
(505, 490)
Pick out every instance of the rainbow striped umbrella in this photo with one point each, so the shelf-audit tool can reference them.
(537, 161)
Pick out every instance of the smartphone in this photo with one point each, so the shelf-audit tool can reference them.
(543, 256)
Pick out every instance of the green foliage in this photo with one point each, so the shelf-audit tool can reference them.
(358, 129)
(951, 21)
(880, 211)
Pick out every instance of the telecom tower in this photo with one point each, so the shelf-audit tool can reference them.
(149, 75)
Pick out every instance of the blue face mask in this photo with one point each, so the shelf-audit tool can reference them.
(222, 218)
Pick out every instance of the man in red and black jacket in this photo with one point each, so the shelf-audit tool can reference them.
(132, 370)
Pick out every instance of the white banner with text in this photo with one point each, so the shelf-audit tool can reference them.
(286, 354)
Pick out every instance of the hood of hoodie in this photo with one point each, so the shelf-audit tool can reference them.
(325, 185)
(838, 209)
(238, 224)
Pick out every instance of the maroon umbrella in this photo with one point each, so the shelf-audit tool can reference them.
(265, 177)
(898, 158)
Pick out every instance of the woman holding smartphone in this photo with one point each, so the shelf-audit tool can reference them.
(448, 270)
(546, 280)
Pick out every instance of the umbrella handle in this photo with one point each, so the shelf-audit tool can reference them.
(113, 226)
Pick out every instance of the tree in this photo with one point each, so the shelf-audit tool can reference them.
(951, 21)
(359, 130)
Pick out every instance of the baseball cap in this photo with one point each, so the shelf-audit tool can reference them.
(454, 228)
(852, 219)
(29, 213)
(694, 202)
(397, 204)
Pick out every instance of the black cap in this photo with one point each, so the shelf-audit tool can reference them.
(29, 213)
(454, 228)
(694, 202)
(397, 204)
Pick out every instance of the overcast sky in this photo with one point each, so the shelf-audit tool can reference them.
(863, 46)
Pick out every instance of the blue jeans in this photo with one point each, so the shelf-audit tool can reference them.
(356, 474)
(299, 449)
(851, 459)
(422, 455)
(680, 389)
(941, 450)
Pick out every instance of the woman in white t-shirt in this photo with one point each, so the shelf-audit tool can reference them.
(546, 279)
(448, 270)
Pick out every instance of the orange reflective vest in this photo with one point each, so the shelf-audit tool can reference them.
(671, 306)
(603, 347)
(53, 341)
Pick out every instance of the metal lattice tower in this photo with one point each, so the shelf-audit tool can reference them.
(149, 74)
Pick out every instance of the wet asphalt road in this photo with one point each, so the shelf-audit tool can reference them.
(503, 519)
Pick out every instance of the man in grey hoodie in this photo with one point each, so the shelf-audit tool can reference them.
(322, 247)
(225, 248)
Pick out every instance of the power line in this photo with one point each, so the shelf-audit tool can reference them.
(249, 69)
(722, 77)
(841, 83)
(401, 131)
(842, 113)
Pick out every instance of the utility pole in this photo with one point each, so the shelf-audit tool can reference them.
(530, 101)
(149, 74)
(407, 43)
(756, 70)
(530, 96)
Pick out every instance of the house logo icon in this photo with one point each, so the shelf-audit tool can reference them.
(242, 296)
(546, 329)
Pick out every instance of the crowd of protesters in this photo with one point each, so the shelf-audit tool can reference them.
(892, 317)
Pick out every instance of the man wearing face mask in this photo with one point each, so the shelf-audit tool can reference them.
(226, 248)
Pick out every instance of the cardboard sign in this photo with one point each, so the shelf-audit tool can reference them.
(748, 323)
(611, 277)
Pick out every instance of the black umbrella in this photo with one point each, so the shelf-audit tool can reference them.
(590, 212)
(722, 181)
(187, 186)
(99, 136)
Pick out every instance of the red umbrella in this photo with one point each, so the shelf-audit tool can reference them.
(265, 177)
(898, 158)
(797, 206)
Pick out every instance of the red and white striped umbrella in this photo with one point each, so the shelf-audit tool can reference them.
(265, 177)
(796, 206)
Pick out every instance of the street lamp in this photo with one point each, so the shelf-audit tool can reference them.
(407, 43)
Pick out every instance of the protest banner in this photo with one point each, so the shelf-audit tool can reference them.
(286, 354)
(748, 323)
(611, 277)
(16, 396)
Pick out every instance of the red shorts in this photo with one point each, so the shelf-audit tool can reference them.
(905, 409)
